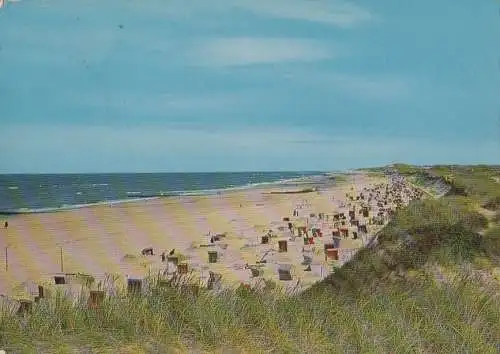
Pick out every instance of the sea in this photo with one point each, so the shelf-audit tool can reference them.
(35, 193)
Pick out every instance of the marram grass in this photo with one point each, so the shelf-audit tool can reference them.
(461, 316)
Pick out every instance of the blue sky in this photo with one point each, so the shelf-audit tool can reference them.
(230, 85)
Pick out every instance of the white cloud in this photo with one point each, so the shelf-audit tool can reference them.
(339, 13)
(371, 87)
(250, 50)
(157, 104)
(378, 88)
(94, 41)
(143, 104)
(71, 148)
(151, 139)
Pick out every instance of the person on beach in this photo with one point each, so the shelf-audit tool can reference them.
(6, 224)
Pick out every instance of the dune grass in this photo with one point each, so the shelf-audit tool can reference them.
(475, 182)
(399, 316)
(425, 288)
(407, 170)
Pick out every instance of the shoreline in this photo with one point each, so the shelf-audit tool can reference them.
(137, 197)
(96, 239)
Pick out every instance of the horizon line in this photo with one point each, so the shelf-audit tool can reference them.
(251, 171)
(164, 172)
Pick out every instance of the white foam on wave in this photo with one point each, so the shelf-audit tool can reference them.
(295, 180)
(64, 207)
(136, 196)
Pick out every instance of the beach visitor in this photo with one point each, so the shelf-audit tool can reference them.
(163, 257)
(6, 224)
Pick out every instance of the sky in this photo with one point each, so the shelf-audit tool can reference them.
(247, 85)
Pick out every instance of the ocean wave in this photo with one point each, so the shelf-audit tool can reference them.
(280, 182)
(65, 207)
(201, 192)
(131, 196)
(88, 185)
(13, 187)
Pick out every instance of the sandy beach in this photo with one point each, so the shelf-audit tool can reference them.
(95, 240)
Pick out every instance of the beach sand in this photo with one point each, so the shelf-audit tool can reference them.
(95, 240)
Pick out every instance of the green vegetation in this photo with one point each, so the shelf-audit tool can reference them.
(407, 170)
(430, 285)
(479, 183)
(492, 203)
(475, 182)
(373, 169)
